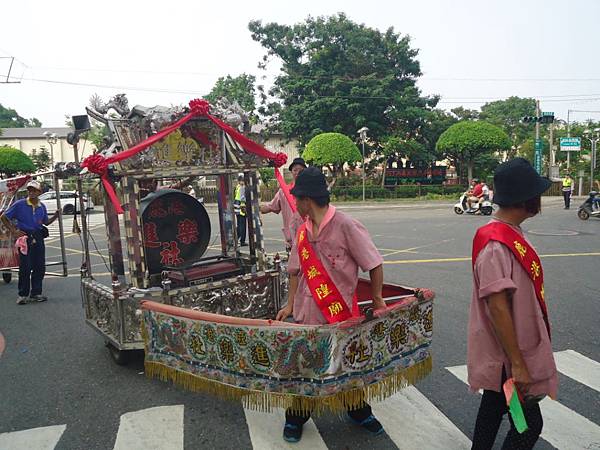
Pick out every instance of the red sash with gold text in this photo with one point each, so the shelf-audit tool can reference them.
(524, 253)
(324, 292)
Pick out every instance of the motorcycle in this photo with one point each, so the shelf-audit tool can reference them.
(461, 206)
(589, 208)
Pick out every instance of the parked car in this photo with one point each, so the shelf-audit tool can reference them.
(69, 201)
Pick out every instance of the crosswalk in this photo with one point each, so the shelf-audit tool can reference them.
(410, 419)
(93, 220)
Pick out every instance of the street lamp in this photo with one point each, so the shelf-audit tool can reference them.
(51, 139)
(589, 135)
(362, 133)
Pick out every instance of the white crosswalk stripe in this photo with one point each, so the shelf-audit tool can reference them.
(409, 418)
(92, 220)
(412, 421)
(43, 438)
(266, 431)
(159, 428)
(563, 427)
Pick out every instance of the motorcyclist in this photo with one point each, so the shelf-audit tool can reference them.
(474, 194)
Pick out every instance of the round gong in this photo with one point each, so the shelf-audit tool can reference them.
(176, 229)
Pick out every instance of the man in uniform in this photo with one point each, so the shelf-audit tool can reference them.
(280, 204)
(339, 245)
(30, 215)
(239, 206)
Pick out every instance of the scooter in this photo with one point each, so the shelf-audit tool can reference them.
(461, 206)
(589, 208)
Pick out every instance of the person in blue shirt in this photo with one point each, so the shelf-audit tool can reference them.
(30, 216)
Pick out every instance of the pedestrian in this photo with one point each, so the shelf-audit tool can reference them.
(239, 206)
(339, 245)
(509, 330)
(280, 204)
(30, 216)
(567, 189)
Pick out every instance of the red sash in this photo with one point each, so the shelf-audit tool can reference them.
(324, 292)
(524, 253)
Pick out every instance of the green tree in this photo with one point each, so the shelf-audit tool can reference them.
(338, 76)
(465, 114)
(14, 162)
(465, 141)
(331, 150)
(9, 118)
(41, 159)
(240, 89)
(507, 114)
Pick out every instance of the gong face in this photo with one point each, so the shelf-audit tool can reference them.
(176, 229)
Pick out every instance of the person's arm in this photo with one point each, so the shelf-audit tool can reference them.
(376, 275)
(272, 206)
(181, 184)
(53, 218)
(10, 226)
(501, 318)
(288, 309)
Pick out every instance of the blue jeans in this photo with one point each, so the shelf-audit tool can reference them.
(32, 266)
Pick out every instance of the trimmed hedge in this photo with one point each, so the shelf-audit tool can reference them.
(403, 191)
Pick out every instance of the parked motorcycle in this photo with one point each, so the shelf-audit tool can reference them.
(590, 208)
(461, 206)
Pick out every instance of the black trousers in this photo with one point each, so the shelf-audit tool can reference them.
(491, 411)
(299, 419)
(567, 197)
(32, 267)
(241, 228)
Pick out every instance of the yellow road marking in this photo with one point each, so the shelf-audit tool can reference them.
(468, 258)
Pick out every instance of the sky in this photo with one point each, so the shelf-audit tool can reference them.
(166, 53)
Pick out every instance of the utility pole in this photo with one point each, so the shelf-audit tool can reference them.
(538, 143)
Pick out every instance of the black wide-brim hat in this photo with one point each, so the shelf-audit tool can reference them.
(310, 183)
(516, 181)
(299, 161)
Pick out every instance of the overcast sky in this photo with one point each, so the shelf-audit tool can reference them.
(470, 51)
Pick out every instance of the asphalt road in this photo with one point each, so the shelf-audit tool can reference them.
(55, 371)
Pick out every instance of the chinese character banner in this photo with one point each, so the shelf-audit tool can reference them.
(274, 364)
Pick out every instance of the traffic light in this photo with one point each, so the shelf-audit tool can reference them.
(547, 118)
(531, 119)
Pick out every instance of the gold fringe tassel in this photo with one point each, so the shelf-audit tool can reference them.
(264, 401)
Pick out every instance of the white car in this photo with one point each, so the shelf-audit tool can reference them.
(69, 201)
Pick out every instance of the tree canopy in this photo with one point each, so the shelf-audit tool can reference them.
(240, 89)
(338, 76)
(331, 150)
(41, 159)
(9, 118)
(14, 162)
(467, 141)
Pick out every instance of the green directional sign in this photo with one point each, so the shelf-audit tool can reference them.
(570, 144)
(537, 160)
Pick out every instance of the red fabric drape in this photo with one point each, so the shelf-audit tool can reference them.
(98, 164)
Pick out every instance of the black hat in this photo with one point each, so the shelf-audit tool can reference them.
(516, 181)
(299, 161)
(310, 183)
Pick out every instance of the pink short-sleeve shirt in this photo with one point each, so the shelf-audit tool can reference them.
(291, 219)
(496, 269)
(343, 245)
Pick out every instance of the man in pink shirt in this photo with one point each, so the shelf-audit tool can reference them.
(509, 330)
(342, 245)
(280, 204)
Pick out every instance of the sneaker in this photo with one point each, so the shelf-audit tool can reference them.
(22, 300)
(38, 298)
(292, 433)
(370, 424)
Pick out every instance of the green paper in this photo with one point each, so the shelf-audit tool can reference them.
(516, 412)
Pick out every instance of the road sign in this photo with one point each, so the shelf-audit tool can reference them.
(539, 146)
(570, 144)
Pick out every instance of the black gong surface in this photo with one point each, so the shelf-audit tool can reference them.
(176, 229)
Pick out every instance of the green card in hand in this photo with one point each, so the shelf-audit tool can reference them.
(514, 405)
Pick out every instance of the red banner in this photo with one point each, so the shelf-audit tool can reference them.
(324, 292)
(524, 253)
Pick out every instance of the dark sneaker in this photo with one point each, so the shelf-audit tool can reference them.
(22, 300)
(292, 433)
(371, 424)
(38, 298)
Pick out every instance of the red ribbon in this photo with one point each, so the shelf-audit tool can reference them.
(98, 164)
